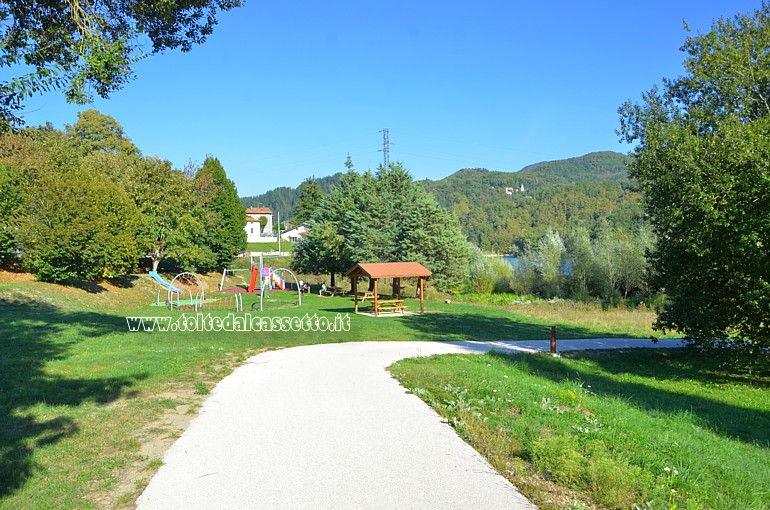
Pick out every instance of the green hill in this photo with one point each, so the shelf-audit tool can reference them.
(499, 217)
(591, 167)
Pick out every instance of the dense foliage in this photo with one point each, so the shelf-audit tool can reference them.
(702, 162)
(84, 204)
(607, 263)
(87, 47)
(383, 217)
(557, 195)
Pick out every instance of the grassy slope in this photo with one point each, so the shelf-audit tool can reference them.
(615, 429)
(81, 397)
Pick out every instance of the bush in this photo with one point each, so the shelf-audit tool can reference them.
(79, 225)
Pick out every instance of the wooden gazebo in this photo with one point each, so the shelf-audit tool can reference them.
(397, 270)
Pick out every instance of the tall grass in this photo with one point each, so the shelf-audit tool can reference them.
(637, 428)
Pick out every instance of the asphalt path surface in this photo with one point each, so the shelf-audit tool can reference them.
(327, 427)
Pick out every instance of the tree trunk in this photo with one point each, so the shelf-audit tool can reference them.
(333, 284)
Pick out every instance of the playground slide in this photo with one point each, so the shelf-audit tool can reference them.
(279, 282)
(256, 270)
(155, 276)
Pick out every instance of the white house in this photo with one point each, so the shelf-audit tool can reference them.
(294, 234)
(255, 217)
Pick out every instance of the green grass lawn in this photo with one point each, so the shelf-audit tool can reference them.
(83, 400)
(270, 246)
(653, 428)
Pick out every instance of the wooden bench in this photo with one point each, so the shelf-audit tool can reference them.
(366, 296)
(391, 305)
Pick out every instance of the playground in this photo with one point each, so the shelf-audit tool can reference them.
(186, 291)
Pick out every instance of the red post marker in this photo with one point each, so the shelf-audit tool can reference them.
(553, 339)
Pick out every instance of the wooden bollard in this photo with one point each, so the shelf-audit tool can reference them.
(553, 339)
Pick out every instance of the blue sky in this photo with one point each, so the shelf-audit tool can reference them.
(285, 90)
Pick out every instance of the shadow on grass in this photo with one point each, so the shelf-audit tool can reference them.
(33, 334)
(732, 421)
(93, 287)
(475, 326)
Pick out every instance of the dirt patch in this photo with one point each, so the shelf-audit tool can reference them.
(181, 404)
(153, 439)
(544, 493)
(548, 495)
(10, 276)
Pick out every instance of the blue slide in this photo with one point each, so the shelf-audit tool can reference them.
(155, 276)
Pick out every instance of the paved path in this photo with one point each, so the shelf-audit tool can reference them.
(326, 427)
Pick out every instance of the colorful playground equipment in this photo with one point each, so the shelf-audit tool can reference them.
(191, 282)
(254, 284)
(277, 281)
(158, 278)
(272, 276)
(256, 271)
(186, 292)
(261, 278)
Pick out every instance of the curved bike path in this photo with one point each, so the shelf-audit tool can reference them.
(326, 427)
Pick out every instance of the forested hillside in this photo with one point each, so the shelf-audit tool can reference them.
(586, 190)
(284, 199)
(591, 167)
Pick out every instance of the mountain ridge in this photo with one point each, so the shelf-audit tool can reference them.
(497, 216)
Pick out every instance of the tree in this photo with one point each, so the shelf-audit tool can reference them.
(24, 158)
(481, 276)
(164, 199)
(79, 225)
(547, 260)
(12, 198)
(632, 259)
(95, 131)
(579, 253)
(310, 195)
(87, 47)
(325, 249)
(221, 213)
(607, 261)
(385, 217)
(701, 161)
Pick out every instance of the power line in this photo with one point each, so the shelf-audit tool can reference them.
(385, 147)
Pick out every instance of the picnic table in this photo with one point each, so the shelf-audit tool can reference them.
(366, 296)
(333, 291)
(390, 305)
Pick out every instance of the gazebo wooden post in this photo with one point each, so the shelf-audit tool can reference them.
(422, 289)
(354, 282)
(376, 308)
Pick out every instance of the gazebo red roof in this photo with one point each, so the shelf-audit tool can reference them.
(390, 270)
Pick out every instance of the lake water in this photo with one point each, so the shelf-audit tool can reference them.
(515, 262)
(512, 260)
